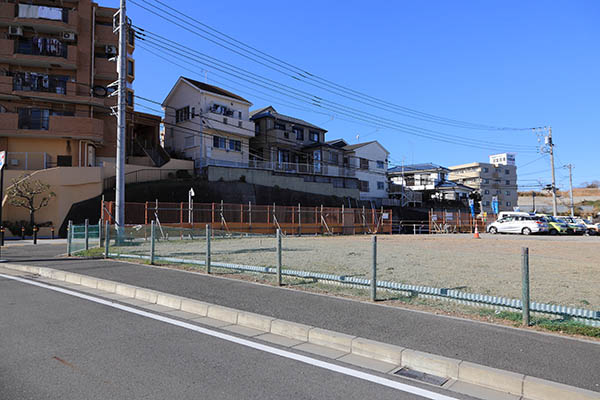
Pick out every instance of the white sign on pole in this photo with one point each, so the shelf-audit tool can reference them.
(2, 159)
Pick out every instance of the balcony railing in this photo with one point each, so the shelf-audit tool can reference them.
(39, 83)
(42, 12)
(38, 46)
(290, 168)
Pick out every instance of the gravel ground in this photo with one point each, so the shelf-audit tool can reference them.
(563, 270)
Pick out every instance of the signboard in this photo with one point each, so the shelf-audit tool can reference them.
(495, 205)
(2, 159)
(385, 216)
(472, 207)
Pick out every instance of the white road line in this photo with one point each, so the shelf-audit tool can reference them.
(257, 346)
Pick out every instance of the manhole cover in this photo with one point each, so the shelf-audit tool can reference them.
(421, 376)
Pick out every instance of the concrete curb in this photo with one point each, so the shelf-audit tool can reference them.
(509, 382)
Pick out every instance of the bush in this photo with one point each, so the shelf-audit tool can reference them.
(243, 178)
(182, 174)
(15, 227)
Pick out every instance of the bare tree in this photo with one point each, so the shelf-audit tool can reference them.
(24, 192)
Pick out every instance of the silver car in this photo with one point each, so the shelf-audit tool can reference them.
(525, 225)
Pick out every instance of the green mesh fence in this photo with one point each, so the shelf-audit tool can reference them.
(79, 241)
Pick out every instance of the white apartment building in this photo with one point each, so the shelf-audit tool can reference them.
(207, 124)
(498, 178)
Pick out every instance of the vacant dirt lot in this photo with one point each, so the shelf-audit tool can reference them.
(563, 270)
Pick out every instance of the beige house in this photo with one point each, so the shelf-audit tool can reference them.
(207, 124)
(498, 178)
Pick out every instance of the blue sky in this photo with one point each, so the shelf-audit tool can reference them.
(510, 63)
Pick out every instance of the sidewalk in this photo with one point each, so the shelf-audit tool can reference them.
(569, 361)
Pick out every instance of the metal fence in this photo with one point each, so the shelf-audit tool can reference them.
(252, 218)
(399, 264)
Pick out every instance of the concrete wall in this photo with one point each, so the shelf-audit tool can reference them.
(72, 185)
(267, 178)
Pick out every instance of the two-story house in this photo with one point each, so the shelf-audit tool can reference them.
(286, 143)
(207, 124)
(367, 161)
(428, 179)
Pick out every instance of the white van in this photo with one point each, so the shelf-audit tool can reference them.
(504, 214)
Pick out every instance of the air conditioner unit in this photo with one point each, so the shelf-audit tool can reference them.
(110, 49)
(68, 36)
(15, 31)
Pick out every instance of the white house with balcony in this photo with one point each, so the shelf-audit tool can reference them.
(369, 161)
(207, 124)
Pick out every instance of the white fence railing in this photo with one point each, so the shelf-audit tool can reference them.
(292, 168)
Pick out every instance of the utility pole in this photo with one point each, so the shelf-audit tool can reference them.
(121, 123)
(550, 144)
(570, 166)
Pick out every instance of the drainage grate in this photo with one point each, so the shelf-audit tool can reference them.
(421, 376)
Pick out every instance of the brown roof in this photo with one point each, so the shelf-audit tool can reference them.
(214, 89)
(357, 145)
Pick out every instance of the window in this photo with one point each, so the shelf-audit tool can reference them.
(299, 132)
(280, 126)
(64, 161)
(235, 145)
(225, 120)
(486, 191)
(507, 193)
(508, 182)
(130, 67)
(507, 171)
(364, 163)
(314, 136)
(182, 114)
(380, 185)
(486, 181)
(218, 142)
(286, 134)
(333, 157)
(508, 204)
(193, 112)
(486, 169)
(129, 98)
(257, 128)
(239, 115)
(380, 164)
(239, 124)
(363, 186)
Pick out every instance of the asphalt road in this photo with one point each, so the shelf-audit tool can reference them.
(55, 346)
(560, 359)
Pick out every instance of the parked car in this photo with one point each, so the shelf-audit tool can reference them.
(590, 226)
(555, 226)
(573, 227)
(523, 224)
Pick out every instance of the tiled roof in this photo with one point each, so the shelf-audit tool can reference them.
(271, 112)
(418, 167)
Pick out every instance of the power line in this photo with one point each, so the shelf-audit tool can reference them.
(300, 74)
(353, 113)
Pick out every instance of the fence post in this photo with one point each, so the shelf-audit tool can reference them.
(374, 269)
(152, 241)
(35, 230)
(279, 257)
(299, 220)
(249, 216)
(207, 249)
(69, 238)
(100, 233)
(106, 238)
(87, 234)
(525, 284)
